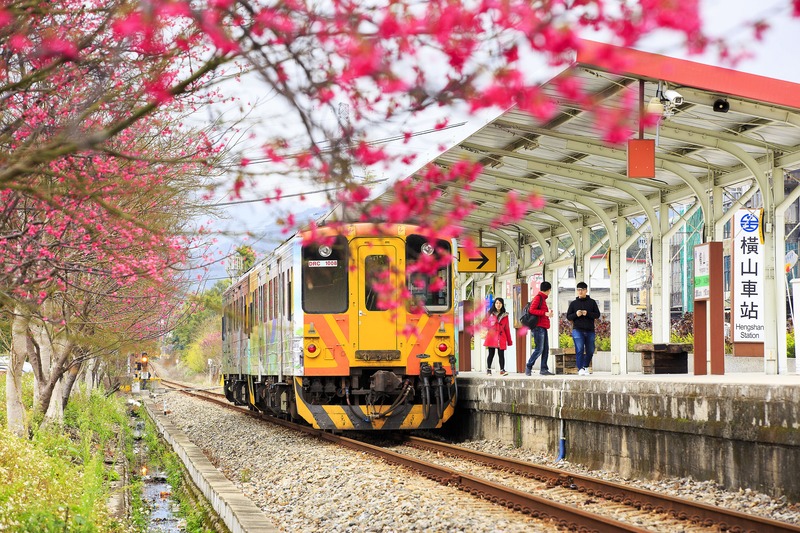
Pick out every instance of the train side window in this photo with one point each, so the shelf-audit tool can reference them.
(264, 298)
(275, 297)
(324, 277)
(429, 275)
(269, 300)
(289, 295)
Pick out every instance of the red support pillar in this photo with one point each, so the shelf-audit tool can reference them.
(520, 303)
(716, 309)
(700, 338)
(709, 307)
(465, 338)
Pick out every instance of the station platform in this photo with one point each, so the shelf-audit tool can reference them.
(741, 429)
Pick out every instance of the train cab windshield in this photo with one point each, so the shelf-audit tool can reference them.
(325, 287)
(428, 268)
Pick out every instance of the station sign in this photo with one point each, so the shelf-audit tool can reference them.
(702, 272)
(747, 283)
(482, 259)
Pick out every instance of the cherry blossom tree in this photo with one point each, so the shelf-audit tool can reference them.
(92, 220)
(88, 87)
(89, 270)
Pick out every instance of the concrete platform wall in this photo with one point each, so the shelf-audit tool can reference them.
(601, 362)
(737, 434)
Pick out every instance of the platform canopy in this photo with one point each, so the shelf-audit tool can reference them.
(584, 179)
(723, 138)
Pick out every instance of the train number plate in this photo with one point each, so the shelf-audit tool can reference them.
(377, 355)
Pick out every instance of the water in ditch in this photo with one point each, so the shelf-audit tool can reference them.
(156, 494)
(160, 508)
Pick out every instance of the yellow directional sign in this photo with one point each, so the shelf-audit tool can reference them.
(477, 260)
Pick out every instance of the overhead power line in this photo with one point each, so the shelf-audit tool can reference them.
(376, 141)
(282, 196)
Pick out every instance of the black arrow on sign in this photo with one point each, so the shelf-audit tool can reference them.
(483, 260)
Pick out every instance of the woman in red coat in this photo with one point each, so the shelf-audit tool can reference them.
(498, 335)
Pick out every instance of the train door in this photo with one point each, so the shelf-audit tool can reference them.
(378, 293)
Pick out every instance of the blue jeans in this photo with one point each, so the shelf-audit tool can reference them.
(541, 346)
(584, 347)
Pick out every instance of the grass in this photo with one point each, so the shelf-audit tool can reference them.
(57, 480)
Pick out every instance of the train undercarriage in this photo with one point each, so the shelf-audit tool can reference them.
(369, 398)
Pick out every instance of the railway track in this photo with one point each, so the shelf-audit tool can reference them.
(573, 502)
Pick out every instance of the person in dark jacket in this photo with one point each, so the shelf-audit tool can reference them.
(541, 344)
(498, 335)
(582, 312)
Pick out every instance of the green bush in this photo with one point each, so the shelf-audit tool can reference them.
(681, 339)
(641, 336)
(602, 344)
(57, 479)
(565, 340)
(790, 344)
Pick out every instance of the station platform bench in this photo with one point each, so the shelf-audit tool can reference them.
(664, 358)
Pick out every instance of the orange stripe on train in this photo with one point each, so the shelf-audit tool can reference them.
(339, 366)
(424, 338)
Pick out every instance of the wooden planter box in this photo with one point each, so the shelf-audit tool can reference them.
(664, 358)
(565, 360)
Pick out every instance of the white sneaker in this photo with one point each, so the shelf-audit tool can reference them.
(581, 372)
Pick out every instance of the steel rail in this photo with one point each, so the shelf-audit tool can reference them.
(698, 512)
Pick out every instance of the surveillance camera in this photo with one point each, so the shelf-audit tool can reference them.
(673, 97)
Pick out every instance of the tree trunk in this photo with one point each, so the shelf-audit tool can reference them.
(55, 407)
(54, 348)
(20, 346)
(70, 377)
(94, 373)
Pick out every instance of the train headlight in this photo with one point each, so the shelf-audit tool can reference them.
(442, 349)
(325, 250)
(427, 249)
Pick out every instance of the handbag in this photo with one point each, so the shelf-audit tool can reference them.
(527, 319)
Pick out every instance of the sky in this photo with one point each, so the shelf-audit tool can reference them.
(729, 19)
(723, 18)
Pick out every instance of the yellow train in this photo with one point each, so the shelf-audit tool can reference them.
(314, 330)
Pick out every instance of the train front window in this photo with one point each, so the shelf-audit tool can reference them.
(325, 276)
(428, 274)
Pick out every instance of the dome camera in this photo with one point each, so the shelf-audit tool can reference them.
(673, 97)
